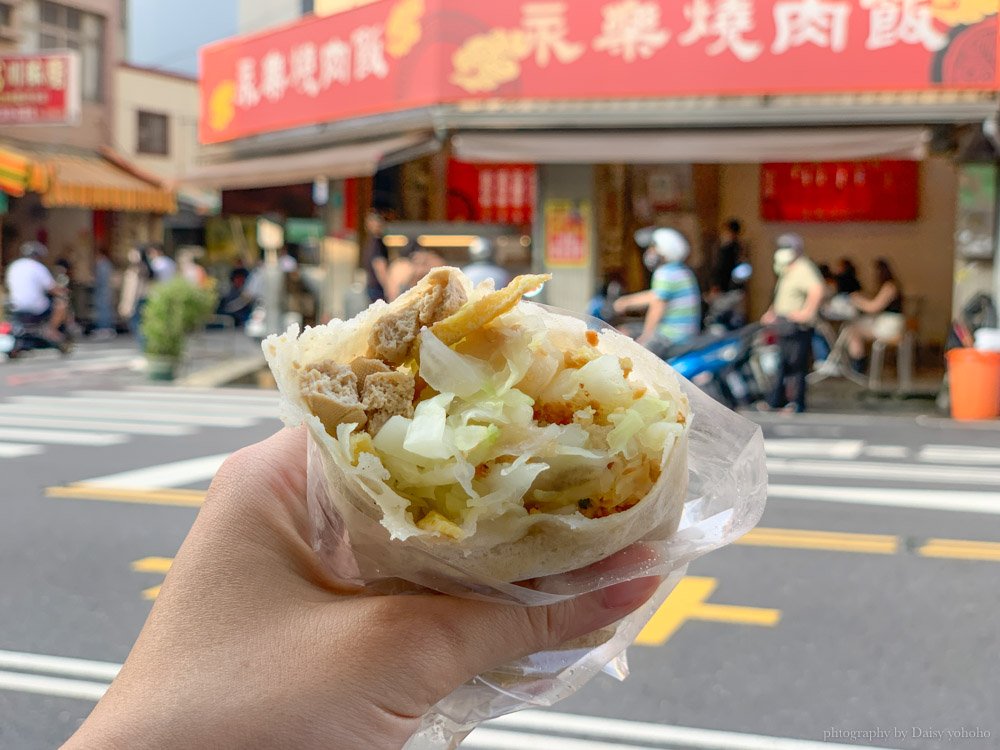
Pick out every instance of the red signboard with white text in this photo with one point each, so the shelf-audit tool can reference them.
(42, 88)
(400, 54)
(491, 193)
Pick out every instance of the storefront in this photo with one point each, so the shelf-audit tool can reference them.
(629, 114)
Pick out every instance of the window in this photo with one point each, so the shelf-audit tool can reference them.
(307, 6)
(153, 130)
(6, 14)
(59, 27)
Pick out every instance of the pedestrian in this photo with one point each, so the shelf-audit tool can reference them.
(135, 286)
(847, 277)
(375, 258)
(252, 644)
(730, 253)
(189, 267)
(673, 303)
(882, 315)
(104, 323)
(797, 300)
(483, 266)
(164, 267)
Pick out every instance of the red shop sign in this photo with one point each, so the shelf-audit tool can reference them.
(841, 191)
(491, 193)
(400, 54)
(40, 89)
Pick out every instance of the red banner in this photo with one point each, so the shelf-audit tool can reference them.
(841, 191)
(491, 193)
(39, 89)
(399, 54)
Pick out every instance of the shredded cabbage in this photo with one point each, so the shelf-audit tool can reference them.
(478, 449)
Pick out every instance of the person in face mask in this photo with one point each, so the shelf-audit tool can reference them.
(673, 303)
(797, 300)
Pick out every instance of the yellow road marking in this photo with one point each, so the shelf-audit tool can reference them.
(687, 602)
(958, 549)
(142, 495)
(153, 565)
(876, 544)
(152, 593)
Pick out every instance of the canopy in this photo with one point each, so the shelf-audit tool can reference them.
(698, 147)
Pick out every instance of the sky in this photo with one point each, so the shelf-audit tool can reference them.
(167, 34)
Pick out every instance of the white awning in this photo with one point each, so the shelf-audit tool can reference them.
(694, 147)
(338, 162)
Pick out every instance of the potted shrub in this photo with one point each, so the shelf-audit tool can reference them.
(173, 311)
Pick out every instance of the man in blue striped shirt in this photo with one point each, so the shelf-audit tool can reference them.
(673, 304)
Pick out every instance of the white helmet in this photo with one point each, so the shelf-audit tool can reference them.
(670, 245)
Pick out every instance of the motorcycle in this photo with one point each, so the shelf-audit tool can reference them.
(22, 333)
(720, 364)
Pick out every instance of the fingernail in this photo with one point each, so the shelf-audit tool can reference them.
(629, 594)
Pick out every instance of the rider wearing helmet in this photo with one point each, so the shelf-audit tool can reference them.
(673, 303)
(34, 294)
(482, 264)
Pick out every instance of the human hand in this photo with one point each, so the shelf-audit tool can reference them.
(769, 318)
(251, 644)
(620, 305)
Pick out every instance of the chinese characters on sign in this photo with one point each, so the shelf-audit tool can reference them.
(567, 233)
(491, 193)
(401, 54)
(39, 89)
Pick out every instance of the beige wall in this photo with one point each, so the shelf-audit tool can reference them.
(161, 93)
(921, 252)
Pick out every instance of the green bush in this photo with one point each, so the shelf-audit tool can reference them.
(173, 311)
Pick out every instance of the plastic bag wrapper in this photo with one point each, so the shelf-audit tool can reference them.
(726, 495)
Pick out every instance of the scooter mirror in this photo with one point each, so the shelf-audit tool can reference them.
(742, 272)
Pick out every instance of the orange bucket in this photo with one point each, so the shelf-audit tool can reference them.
(974, 378)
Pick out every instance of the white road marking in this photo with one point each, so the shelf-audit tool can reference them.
(214, 392)
(64, 666)
(884, 471)
(900, 452)
(59, 687)
(962, 501)
(61, 437)
(960, 454)
(493, 737)
(17, 450)
(839, 449)
(70, 410)
(130, 428)
(164, 476)
(263, 398)
(151, 405)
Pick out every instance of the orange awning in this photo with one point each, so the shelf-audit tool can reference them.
(19, 174)
(96, 183)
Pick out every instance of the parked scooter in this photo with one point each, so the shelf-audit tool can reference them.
(22, 333)
(719, 364)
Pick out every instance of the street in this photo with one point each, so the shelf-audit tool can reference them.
(860, 612)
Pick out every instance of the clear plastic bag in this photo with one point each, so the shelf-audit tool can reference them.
(726, 495)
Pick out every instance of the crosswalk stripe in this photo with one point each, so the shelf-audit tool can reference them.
(59, 665)
(645, 733)
(129, 428)
(16, 450)
(152, 406)
(213, 392)
(267, 398)
(164, 476)
(965, 501)
(876, 470)
(55, 686)
(959, 454)
(61, 437)
(840, 449)
(70, 410)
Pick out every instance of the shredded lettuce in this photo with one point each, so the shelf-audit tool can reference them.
(425, 435)
(447, 371)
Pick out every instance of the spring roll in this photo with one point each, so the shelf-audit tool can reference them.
(505, 439)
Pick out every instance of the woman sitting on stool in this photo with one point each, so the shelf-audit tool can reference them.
(882, 318)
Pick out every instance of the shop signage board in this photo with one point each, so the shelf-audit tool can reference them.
(567, 233)
(491, 193)
(40, 88)
(399, 54)
(841, 191)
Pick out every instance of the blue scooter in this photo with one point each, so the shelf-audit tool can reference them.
(719, 363)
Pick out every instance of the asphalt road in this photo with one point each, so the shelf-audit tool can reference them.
(845, 622)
